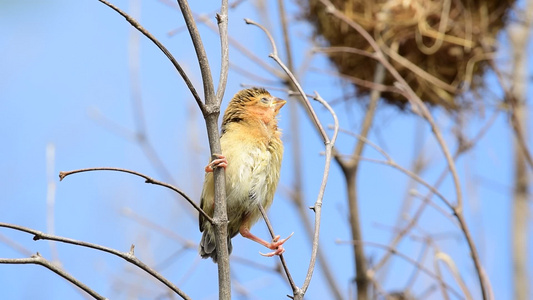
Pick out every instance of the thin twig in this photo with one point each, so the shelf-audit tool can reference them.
(419, 107)
(163, 230)
(16, 246)
(408, 259)
(39, 260)
(242, 49)
(128, 256)
(446, 259)
(148, 179)
(459, 151)
(222, 19)
(281, 257)
(297, 194)
(372, 85)
(167, 53)
(203, 62)
(275, 57)
(140, 136)
(390, 162)
(317, 208)
(299, 293)
(520, 138)
(350, 169)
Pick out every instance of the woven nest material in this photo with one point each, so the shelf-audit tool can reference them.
(440, 47)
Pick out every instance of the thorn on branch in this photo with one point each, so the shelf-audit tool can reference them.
(221, 18)
(132, 250)
(149, 180)
(312, 208)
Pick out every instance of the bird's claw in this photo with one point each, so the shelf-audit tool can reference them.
(276, 242)
(219, 162)
(276, 245)
(278, 251)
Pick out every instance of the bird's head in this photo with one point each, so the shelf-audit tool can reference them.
(253, 104)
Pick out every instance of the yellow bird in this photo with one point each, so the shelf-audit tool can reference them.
(251, 154)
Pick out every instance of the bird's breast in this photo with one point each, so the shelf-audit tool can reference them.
(252, 173)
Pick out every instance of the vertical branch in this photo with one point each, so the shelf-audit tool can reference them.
(222, 19)
(207, 79)
(211, 114)
(420, 108)
(519, 35)
(318, 204)
(211, 111)
(297, 193)
(329, 143)
(350, 171)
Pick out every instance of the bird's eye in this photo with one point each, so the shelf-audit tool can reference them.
(264, 100)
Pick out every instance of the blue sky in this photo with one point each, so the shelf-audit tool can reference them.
(65, 81)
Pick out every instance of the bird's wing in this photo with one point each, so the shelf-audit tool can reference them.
(207, 198)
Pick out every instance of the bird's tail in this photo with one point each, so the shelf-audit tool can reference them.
(208, 246)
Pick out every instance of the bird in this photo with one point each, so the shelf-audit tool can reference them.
(252, 152)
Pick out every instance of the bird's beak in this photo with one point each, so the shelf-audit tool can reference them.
(278, 103)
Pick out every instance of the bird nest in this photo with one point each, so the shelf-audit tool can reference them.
(440, 47)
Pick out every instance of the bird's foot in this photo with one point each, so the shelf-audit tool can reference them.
(219, 162)
(276, 245)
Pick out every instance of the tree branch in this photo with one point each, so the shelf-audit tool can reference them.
(222, 20)
(211, 114)
(39, 260)
(128, 256)
(167, 53)
(62, 176)
(420, 108)
(299, 292)
(207, 79)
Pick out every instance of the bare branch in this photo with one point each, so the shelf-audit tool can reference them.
(222, 20)
(207, 79)
(242, 49)
(211, 114)
(148, 179)
(281, 257)
(307, 104)
(408, 259)
(167, 53)
(446, 259)
(128, 256)
(297, 194)
(419, 107)
(390, 162)
(372, 85)
(350, 169)
(39, 260)
(299, 293)
(318, 204)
